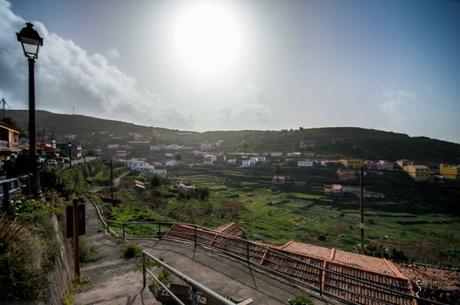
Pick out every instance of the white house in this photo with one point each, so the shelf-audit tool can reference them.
(249, 162)
(231, 161)
(155, 148)
(276, 154)
(385, 165)
(295, 154)
(206, 146)
(112, 146)
(173, 147)
(197, 153)
(171, 163)
(305, 163)
(139, 165)
(169, 155)
(209, 159)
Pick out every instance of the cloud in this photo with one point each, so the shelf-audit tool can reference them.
(112, 54)
(395, 102)
(247, 109)
(68, 76)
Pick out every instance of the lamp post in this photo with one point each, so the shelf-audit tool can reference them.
(31, 42)
(70, 154)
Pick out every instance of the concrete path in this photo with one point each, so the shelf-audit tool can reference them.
(114, 281)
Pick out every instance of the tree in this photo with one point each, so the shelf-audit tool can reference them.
(178, 158)
(277, 171)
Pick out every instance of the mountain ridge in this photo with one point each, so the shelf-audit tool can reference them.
(341, 141)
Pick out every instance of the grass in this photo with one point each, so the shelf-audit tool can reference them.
(425, 231)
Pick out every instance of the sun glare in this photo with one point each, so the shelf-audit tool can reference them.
(206, 38)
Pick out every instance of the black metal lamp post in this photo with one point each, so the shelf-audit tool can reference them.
(70, 154)
(31, 42)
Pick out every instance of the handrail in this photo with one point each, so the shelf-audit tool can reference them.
(321, 270)
(195, 285)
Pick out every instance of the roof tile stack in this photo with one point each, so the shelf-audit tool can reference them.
(348, 276)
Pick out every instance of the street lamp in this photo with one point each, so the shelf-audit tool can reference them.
(70, 154)
(31, 42)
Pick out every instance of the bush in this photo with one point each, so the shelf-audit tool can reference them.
(88, 253)
(131, 250)
(22, 271)
(302, 299)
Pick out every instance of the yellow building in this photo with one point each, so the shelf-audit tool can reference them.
(354, 163)
(418, 172)
(448, 171)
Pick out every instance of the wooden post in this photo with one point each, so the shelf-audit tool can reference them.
(361, 209)
(144, 266)
(159, 231)
(194, 239)
(111, 179)
(76, 245)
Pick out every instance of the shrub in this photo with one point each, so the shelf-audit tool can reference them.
(88, 252)
(302, 299)
(131, 250)
(21, 270)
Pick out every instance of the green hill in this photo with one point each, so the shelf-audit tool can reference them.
(330, 141)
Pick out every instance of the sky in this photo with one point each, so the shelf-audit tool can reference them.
(241, 64)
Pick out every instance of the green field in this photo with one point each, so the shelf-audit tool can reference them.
(419, 220)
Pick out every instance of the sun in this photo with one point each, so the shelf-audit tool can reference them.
(207, 38)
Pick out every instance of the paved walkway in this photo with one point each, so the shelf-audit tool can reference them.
(114, 281)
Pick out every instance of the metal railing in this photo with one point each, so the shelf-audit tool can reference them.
(304, 273)
(196, 286)
(11, 187)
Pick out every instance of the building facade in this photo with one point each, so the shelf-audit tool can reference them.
(418, 172)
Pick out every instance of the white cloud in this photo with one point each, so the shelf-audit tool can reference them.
(68, 76)
(247, 109)
(395, 102)
(112, 54)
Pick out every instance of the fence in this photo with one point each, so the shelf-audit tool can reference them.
(11, 187)
(341, 282)
(196, 286)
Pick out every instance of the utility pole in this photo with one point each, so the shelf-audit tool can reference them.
(70, 154)
(111, 179)
(361, 208)
(76, 246)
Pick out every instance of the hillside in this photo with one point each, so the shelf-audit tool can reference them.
(331, 141)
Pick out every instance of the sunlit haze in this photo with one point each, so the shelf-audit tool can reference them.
(230, 65)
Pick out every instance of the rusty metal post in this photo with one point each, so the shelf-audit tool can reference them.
(76, 245)
(247, 254)
(321, 282)
(194, 296)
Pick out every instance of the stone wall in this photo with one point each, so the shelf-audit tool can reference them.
(63, 268)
